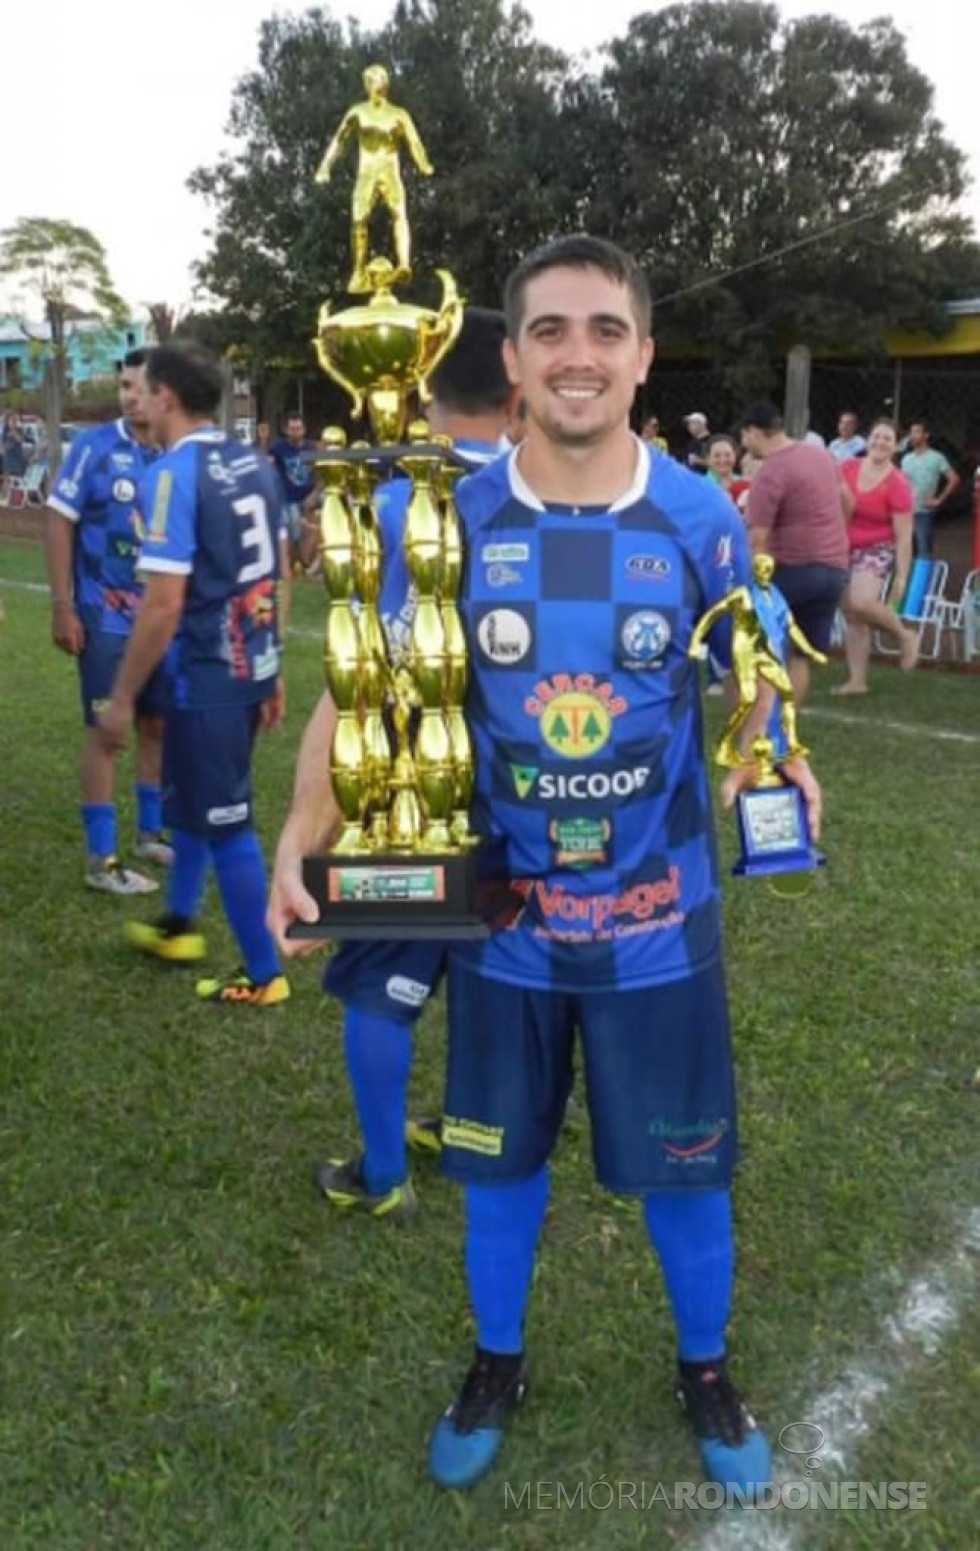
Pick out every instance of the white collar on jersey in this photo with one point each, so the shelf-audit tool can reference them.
(204, 433)
(521, 490)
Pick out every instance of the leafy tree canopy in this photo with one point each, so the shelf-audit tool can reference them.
(713, 136)
(64, 268)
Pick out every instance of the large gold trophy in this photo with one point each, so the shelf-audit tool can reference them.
(402, 864)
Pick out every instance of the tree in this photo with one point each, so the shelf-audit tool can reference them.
(809, 145)
(485, 98)
(64, 266)
(163, 320)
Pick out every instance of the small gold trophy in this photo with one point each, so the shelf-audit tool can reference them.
(772, 819)
(402, 864)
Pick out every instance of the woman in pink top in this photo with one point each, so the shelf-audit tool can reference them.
(879, 533)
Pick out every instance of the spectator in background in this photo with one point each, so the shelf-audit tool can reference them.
(848, 443)
(651, 434)
(722, 454)
(796, 515)
(696, 451)
(263, 438)
(14, 451)
(933, 480)
(293, 457)
(879, 533)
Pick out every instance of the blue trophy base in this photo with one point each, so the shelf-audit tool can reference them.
(774, 832)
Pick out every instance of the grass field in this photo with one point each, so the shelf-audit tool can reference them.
(198, 1356)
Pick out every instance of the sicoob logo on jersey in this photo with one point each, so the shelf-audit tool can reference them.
(576, 713)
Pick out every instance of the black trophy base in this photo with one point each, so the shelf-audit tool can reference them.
(774, 832)
(403, 896)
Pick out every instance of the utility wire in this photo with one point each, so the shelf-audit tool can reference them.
(771, 258)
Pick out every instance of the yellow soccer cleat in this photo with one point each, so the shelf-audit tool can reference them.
(240, 990)
(173, 939)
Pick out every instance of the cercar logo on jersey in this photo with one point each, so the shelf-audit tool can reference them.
(504, 636)
(648, 568)
(576, 712)
(645, 637)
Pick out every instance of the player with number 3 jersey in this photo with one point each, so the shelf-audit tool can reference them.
(212, 521)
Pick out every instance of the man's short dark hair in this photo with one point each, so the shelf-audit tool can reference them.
(579, 252)
(295, 414)
(133, 358)
(763, 416)
(472, 379)
(922, 422)
(190, 372)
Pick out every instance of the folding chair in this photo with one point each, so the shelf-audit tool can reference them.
(961, 616)
(921, 608)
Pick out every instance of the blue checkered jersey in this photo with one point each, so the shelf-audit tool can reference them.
(96, 489)
(585, 710)
(397, 602)
(211, 511)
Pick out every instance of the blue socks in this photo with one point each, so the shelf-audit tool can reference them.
(185, 886)
(692, 1234)
(149, 809)
(379, 1061)
(240, 871)
(99, 819)
(503, 1223)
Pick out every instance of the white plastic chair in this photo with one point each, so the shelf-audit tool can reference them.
(960, 617)
(27, 489)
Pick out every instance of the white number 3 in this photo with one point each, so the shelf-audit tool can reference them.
(255, 536)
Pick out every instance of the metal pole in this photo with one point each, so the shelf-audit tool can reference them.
(796, 407)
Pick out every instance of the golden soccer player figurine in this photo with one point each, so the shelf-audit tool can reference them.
(380, 129)
(762, 626)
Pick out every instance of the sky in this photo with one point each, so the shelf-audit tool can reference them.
(108, 107)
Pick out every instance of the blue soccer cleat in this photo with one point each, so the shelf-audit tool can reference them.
(734, 1452)
(467, 1438)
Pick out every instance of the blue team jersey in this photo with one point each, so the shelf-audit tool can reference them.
(397, 602)
(97, 489)
(211, 511)
(585, 710)
(294, 466)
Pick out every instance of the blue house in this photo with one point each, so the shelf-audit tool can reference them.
(94, 350)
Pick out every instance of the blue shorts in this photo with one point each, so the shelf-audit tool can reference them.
(389, 979)
(292, 514)
(207, 770)
(658, 1076)
(98, 664)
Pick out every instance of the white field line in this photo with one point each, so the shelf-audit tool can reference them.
(910, 729)
(928, 1310)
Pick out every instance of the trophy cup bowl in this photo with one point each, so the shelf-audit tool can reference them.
(385, 350)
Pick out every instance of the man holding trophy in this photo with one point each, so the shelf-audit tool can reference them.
(589, 561)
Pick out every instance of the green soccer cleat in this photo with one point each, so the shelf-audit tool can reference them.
(342, 1184)
(175, 939)
(240, 990)
(423, 1133)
